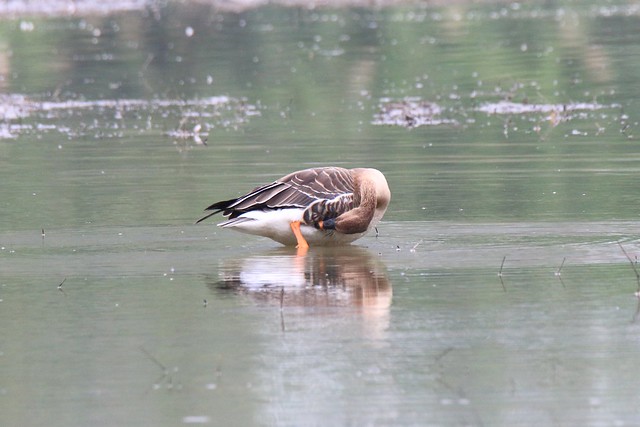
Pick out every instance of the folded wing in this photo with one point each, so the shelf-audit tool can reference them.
(323, 192)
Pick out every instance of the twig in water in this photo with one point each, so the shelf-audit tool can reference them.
(500, 273)
(559, 270)
(633, 265)
(60, 286)
(282, 308)
(505, 128)
(166, 375)
(147, 62)
(443, 353)
(154, 360)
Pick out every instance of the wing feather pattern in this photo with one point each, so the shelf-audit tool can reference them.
(324, 192)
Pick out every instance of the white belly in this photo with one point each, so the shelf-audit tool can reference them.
(276, 225)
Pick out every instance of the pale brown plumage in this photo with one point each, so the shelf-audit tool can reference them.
(325, 201)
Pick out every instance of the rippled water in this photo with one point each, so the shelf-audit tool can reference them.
(500, 289)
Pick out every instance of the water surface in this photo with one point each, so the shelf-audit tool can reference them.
(500, 290)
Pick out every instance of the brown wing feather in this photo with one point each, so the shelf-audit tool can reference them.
(327, 190)
(328, 209)
(310, 185)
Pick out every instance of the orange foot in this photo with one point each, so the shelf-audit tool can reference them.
(302, 243)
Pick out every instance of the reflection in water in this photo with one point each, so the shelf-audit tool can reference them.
(334, 315)
(323, 277)
(333, 276)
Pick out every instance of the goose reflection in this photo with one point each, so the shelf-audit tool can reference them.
(324, 276)
(346, 276)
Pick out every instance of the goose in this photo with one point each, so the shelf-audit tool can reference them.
(322, 206)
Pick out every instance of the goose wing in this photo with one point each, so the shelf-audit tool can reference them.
(327, 190)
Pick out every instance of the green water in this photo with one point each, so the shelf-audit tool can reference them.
(497, 292)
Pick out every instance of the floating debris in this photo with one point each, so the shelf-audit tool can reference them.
(410, 113)
(13, 107)
(221, 112)
(508, 107)
(196, 134)
(6, 132)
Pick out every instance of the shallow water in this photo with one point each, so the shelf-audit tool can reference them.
(500, 289)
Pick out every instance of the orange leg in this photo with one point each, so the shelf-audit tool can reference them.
(302, 243)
